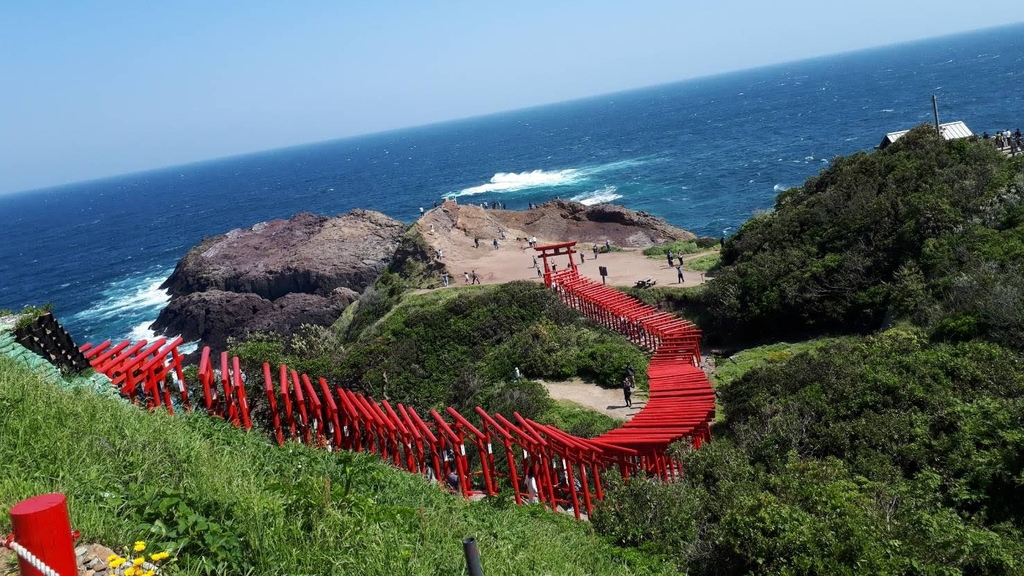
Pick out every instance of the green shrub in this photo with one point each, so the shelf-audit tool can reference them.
(881, 455)
(29, 314)
(677, 247)
(921, 230)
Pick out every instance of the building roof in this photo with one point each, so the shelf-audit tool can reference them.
(949, 131)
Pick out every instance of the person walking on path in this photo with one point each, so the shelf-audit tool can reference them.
(476, 242)
(535, 262)
(495, 243)
(627, 392)
(669, 258)
(595, 251)
(502, 233)
(467, 277)
(679, 272)
(444, 278)
(680, 257)
(607, 246)
(582, 259)
(476, 278)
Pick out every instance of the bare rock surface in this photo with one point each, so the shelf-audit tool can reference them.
(276, 275)
(555, 221)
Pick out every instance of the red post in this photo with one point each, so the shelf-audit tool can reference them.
(42, 526)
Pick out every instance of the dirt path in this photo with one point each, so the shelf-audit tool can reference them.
(604, 400)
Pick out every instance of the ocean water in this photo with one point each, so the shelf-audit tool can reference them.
(704, 154)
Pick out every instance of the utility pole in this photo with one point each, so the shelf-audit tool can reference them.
(935, 109)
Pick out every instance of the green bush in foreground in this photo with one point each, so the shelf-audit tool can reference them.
(230, 503)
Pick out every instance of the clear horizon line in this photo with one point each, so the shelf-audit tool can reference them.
(501, 112)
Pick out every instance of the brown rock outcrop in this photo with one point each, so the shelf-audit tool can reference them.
(556, 221)
(276, 275)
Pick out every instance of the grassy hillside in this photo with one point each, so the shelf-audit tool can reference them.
(230, 503)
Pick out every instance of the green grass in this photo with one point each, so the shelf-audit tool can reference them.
(234, 504)
(703, 263)
(577, 419)
(678, 247)
(730, 369)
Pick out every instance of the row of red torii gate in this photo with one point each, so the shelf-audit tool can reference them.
(479, 454)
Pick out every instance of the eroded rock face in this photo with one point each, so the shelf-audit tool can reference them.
(276, 275)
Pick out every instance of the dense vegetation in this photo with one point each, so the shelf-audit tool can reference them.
(228, 503)
(926, 230)
(460, 348)
(898, 449)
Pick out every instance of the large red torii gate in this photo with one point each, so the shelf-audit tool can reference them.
(552, 250)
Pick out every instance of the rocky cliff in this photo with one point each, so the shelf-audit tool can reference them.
(276, 275)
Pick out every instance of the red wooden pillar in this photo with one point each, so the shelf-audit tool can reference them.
(41, 525)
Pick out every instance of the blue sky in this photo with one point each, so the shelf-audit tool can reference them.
(92, 89)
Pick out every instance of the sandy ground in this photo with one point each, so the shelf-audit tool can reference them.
(605, 400)
(513, 260)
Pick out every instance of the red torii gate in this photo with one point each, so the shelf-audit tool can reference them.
(552, 250)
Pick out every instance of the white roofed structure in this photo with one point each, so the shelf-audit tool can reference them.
(949, 131)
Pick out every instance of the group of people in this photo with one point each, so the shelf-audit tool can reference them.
(1007, 139)
(494, 206)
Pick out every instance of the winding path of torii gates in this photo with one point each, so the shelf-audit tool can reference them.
(482, 454)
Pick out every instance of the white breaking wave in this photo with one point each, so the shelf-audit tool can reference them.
(137, 299)
(780, 188)
(128, 296)
(512, 181)
(602, 196)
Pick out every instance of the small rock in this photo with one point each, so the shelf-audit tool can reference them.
(81, 551)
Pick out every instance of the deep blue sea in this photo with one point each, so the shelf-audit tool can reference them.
(704, 154)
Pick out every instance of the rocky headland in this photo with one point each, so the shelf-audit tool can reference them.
(277, 275)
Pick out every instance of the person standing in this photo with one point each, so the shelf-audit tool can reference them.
(476, 278)
(502, 234)
(680, 257)
(669, 257)
(679, 274)
(631, 374)
(476, 242)
(581, 257)
(467, 277)
(595, 251)
(495, 243)
(518, 375)
(444, 278)
(607, 246)
(535, 265)
(421, 210)
(627, 392)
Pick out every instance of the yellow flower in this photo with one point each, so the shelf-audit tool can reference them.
(131, 571)
(140, 546)
(150, 573)
(159, 556)
(138, 561)
(111, 558)
(117, 561)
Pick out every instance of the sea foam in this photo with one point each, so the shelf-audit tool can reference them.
(132, 303)
(512, 181)
(606, 194)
